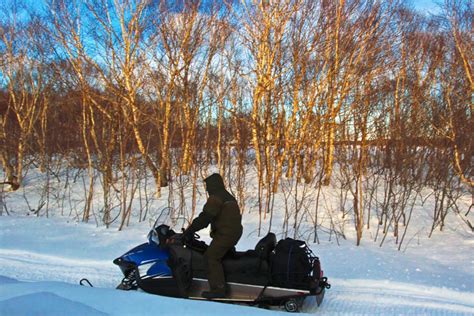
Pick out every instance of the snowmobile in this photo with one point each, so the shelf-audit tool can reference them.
(264, 276)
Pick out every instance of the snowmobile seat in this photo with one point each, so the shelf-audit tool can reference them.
(262, 249)
(241, 267)
(251, 266)
(246, 267)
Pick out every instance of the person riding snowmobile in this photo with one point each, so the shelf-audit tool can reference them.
(222, 212)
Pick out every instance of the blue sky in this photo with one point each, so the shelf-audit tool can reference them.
(427, 6)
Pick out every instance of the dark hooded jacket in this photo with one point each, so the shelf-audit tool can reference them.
(221, 211)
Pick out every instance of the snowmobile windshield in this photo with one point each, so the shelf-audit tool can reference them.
(153, 237)
(160, 235)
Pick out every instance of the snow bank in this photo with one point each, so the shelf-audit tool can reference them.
(58, 298)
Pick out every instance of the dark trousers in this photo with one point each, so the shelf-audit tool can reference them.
(214, 254)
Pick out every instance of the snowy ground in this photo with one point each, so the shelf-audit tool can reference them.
(42, 260)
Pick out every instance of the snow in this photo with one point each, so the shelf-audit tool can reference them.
(59, 298)
(42, 260)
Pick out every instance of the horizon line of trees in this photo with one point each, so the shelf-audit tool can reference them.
(292, 88)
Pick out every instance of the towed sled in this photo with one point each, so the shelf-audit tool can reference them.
(272, 274)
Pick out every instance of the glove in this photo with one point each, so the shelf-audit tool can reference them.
(188, 236)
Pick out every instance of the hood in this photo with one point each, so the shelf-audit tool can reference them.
(214, 183)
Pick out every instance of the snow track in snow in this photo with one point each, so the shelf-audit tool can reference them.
(31, 266)
(379, 297)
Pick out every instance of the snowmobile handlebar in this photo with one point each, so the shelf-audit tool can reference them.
(163, 236)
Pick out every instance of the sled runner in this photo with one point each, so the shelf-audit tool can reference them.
(272, 274)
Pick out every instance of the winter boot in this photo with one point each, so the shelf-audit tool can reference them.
(218, 292)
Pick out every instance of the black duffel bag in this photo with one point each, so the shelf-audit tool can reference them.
(292, 264)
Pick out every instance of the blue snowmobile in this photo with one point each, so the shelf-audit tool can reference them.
(272, 274)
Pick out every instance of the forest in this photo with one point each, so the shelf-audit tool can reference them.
(371, 100)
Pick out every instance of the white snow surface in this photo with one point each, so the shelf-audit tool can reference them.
(42, 260)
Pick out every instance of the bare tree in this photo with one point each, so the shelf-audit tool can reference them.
(22, 64)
